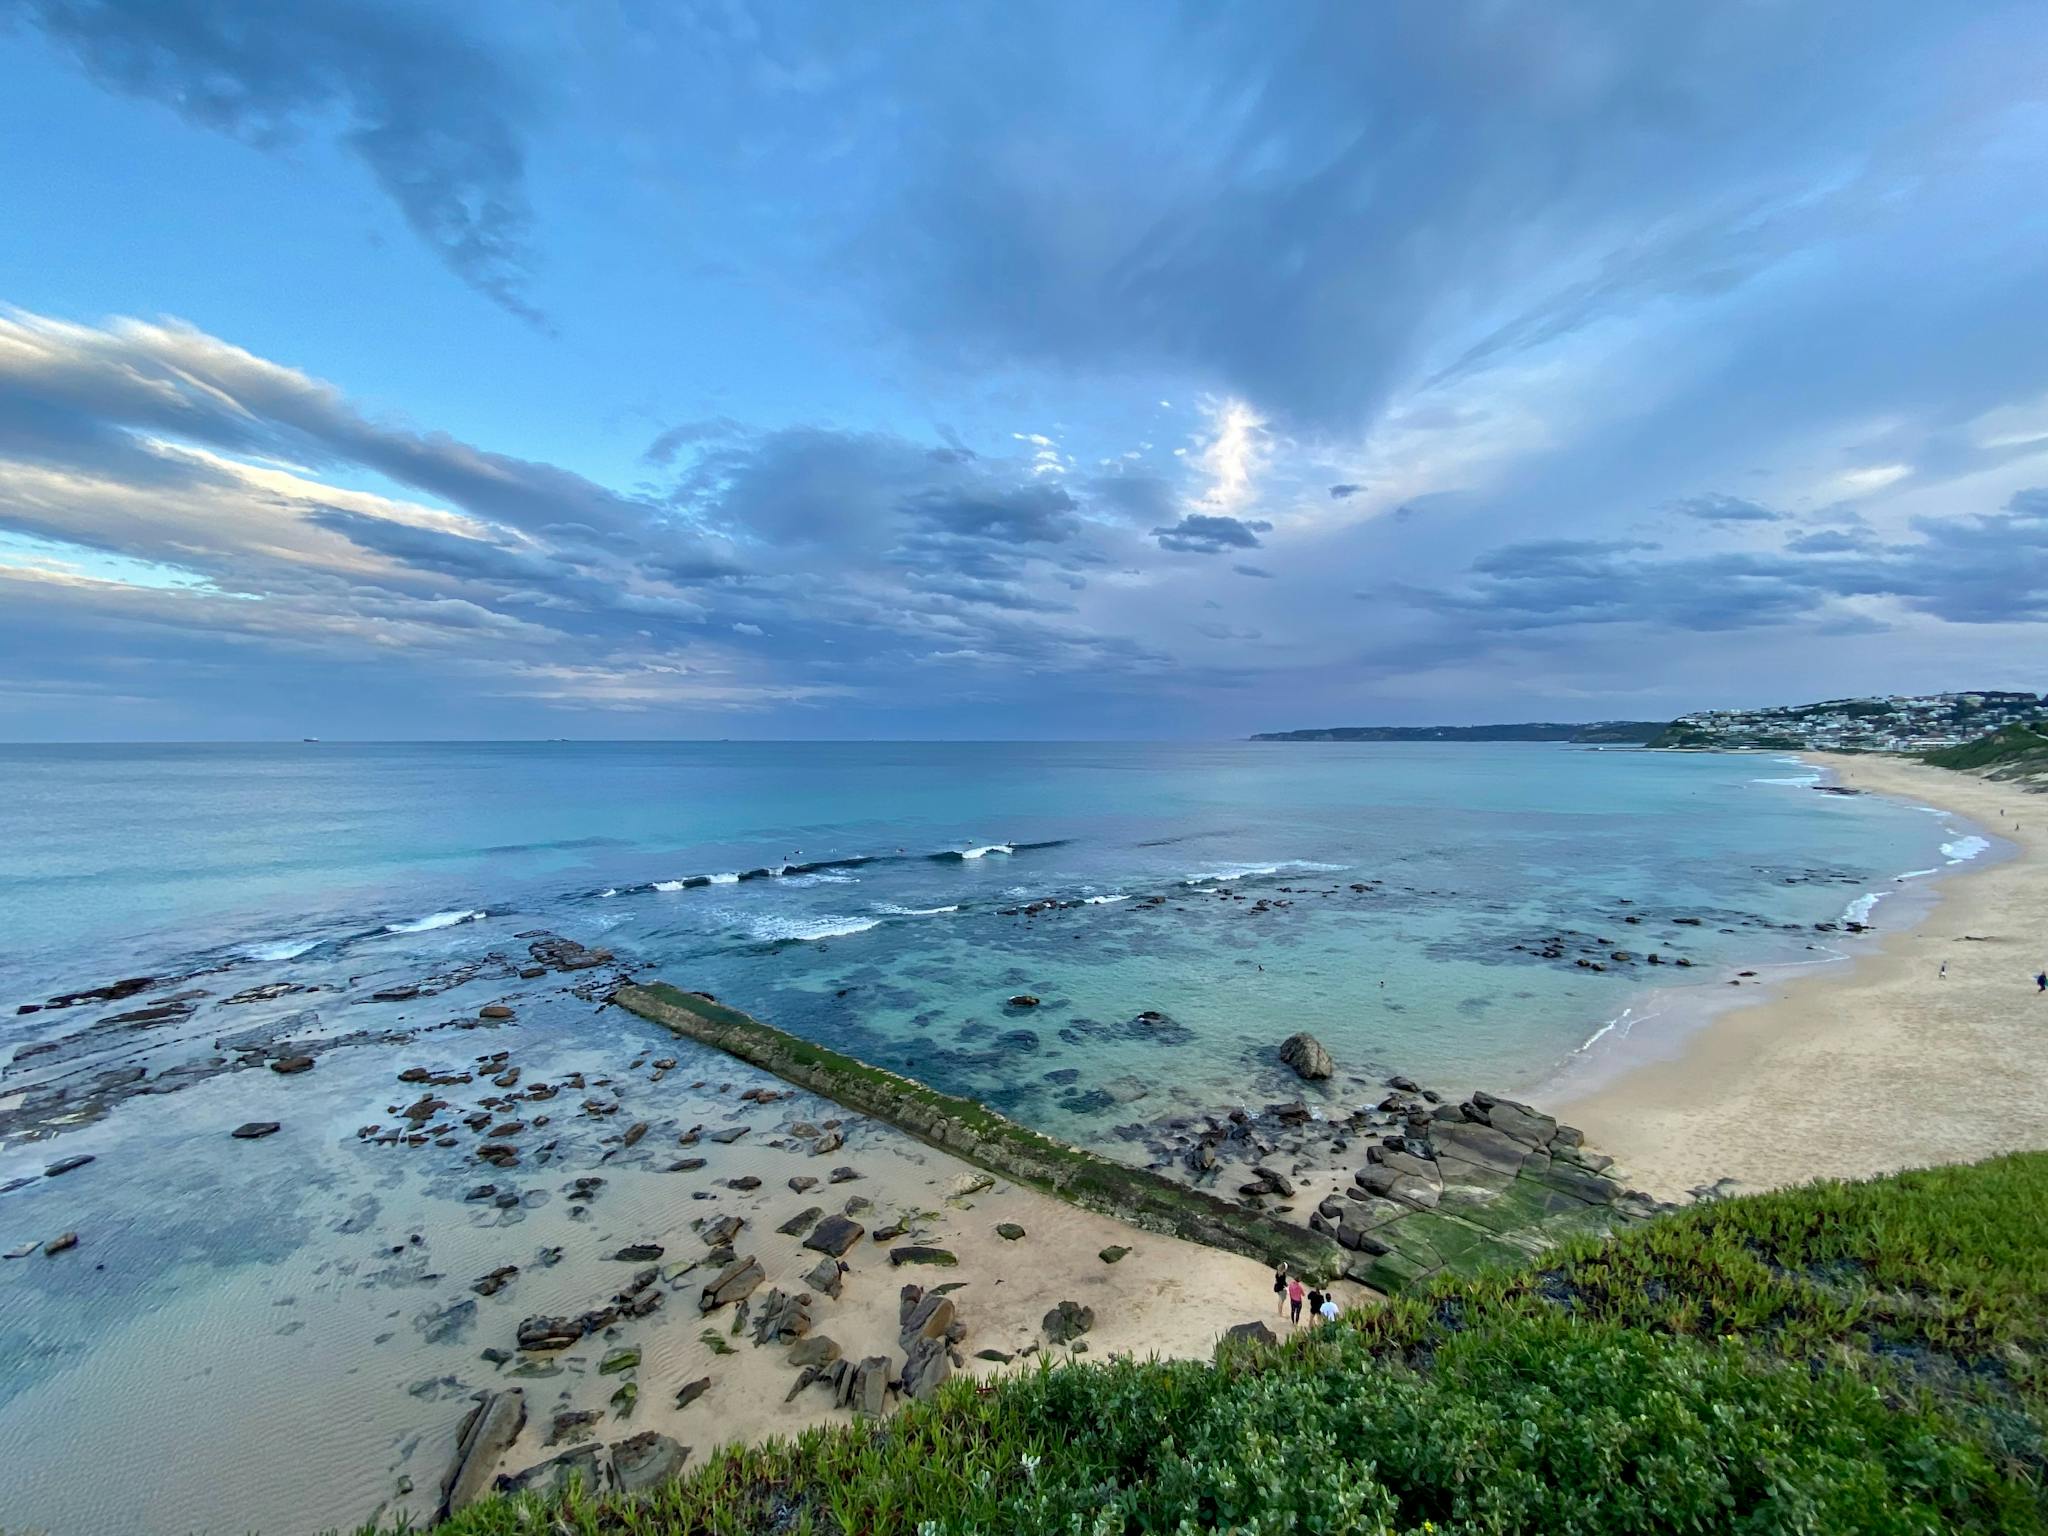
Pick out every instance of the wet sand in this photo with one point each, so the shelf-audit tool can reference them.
(1880, 1063)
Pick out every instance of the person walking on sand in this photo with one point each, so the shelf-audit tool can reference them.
(2041, 981)
(1942, 974)
(1315, 1304)
(1280, 1291)
(1295, 1294)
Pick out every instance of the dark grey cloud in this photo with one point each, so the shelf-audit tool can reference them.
(1715, 508)
(1202, 533)
(1989, 568)
(424, 101)
(1825, 541)
(1341, 492)
(1252, 570)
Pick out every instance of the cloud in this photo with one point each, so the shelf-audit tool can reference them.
(422, 104)
(1252, 570)
(1344, 491)
(1989, 568)
(1724, 509)
(1199, 534)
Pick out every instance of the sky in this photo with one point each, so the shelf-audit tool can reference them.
(610, 368)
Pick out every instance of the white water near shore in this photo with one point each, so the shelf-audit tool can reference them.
(1931, 1047)
(252, 1328)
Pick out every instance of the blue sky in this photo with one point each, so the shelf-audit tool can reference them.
(609, 370)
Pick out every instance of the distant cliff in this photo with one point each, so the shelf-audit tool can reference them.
(1610, 732)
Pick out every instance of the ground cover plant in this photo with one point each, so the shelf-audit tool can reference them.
(1840, 1358)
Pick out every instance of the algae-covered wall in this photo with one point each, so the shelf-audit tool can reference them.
(980, 1136)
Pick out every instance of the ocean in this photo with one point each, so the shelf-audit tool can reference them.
(263, 1327)
(878, 896)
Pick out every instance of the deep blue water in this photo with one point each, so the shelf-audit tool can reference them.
(886, 940)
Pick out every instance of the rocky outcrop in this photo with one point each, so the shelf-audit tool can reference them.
(487, 1432)
(1067, 1322)
(738, 1279)
(1305, 1053)
(971, 1131)
(645, 1462)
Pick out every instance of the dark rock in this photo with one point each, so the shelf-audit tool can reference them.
(1067, 1322)
(1257, 1333)
(834, 1235)
(63, 1242)
(486, 1434)
(639, 1253)
(255, 1130)
(728, 1136)
(66, 1164)
(579, 1467)
(800, 1221)
(645, 1462)
(286, 1066)
(919, 1254)
(689, 1392)
(1023, 1000)
(802, 1182)
(571, 1424)
(746, 1183)
(625, 1358)
(737, 1280)
(1009, 1231)
(826, 1276)
(1112, 1253)
(495, 1281)
(1305, 1053)
(783, 1318)
(719, 1232)
(818, 1349)
(494, 1011)
(844, 1175)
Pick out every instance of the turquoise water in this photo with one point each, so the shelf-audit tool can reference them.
(883, 931)
(249, 1320)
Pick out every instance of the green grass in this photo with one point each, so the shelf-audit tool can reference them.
(2010, 750)
(1840, 1358)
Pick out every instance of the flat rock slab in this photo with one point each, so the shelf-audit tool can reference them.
(835, 1234)
(646, 1461)
(255, 1130)
(917, 1253)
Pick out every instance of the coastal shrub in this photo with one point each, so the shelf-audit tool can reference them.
(1839, 1358)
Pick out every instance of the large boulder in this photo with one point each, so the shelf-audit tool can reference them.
(1252, 1333)
(1068, 1321)
(1305, 1053)
(730, 1284)
(646, 1461)
(487, 1432)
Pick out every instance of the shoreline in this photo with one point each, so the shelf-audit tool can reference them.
(1881, 1063)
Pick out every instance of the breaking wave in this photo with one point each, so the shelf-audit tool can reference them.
(434, 920)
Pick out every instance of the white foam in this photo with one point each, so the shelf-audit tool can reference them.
(1859, 910)
(895, 911)
(977, 853)
(284, 949)
(812, 928)
(1964, 849)
(434, 920)
(608, 891)
(668, 885)
(1916, 874)
(1243, 871)
(730, 877)
(1802, 783)
(1103, 901)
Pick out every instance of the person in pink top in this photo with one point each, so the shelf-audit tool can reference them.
(1295, 1293)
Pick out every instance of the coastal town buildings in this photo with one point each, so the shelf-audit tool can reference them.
(1892, 723)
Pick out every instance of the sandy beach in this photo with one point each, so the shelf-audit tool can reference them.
(1882, 1062)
